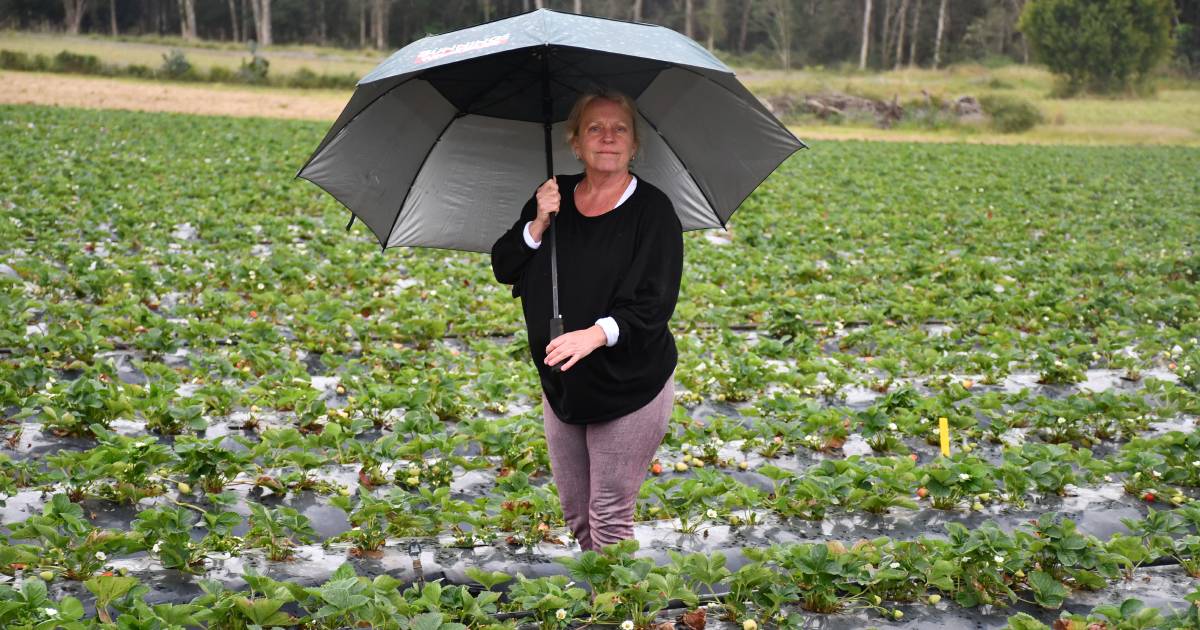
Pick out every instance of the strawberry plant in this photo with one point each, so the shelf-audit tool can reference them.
(71, 408)
(1047, 467)
(369, 524)
(128, 466)
(29, 606)
(991, 560)
(166, 533)
(208, 463)
(277, 530)
(554, 601)
(1062, 552)
(70, 545)
(953, 481)
(827, 575)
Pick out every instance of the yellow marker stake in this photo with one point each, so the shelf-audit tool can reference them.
(944, 430)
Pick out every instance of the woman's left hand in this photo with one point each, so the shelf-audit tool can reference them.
(573, 346)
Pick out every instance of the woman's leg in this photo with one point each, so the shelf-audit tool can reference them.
(620, 452)
(567, 444)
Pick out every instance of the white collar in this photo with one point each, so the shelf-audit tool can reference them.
(625, 195)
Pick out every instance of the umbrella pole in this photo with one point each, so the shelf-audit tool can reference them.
(556, 322)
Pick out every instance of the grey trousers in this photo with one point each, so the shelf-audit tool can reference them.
(600, 467)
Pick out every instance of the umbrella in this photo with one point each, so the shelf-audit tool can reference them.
(443, 142)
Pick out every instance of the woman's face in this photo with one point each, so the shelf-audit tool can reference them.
(605, 139)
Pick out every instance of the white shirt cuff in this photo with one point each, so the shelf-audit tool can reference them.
(611, 331)
(529, 237)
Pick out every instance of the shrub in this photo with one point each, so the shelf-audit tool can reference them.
(221, 74)
(138, 70)
(1010, 114)
(305, 78)
(14, 60)
(176, 65)
(67, 61)
(1099, 45)
(254, 71)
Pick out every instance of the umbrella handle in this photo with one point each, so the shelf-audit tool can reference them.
(556, 322)
(556, 330)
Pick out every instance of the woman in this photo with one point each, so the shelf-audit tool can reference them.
(620, 258)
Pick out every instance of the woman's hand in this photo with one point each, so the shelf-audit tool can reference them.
(548, 200)
(575, 345)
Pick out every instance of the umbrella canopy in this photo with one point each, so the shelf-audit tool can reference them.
(442, 143)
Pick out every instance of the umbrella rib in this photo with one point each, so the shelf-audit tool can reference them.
(325, 141)
(712, 206)
(512, 69)
(739, 97)
(501, 99)
(417, 174)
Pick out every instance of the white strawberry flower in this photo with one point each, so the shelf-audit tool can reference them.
(627, 624)
(963, 476)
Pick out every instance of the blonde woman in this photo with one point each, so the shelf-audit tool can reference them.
(620, 250)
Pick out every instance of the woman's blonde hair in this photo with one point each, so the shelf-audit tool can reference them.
(576, 117)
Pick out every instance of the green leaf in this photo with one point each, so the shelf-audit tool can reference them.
(70, 608)
(1047, 591)
(1130, 606)
(427, 621)
(264, 612)
(1022, 621)
(109, 588)
(341, 594)
(489, 579)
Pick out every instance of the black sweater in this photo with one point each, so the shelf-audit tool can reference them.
(626, 264)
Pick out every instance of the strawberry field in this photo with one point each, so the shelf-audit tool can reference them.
(222, 410)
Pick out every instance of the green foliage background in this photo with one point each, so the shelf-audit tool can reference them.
(1099, 45)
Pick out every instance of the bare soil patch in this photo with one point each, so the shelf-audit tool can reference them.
(32, 88)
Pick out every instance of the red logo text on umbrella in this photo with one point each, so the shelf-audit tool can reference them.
(425, 56)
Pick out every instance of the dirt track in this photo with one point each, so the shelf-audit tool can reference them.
(63, 90)
(29, 88)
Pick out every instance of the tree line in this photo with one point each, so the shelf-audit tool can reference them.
(880, 34)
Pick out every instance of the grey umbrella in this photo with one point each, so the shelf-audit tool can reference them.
(442, 143)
